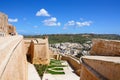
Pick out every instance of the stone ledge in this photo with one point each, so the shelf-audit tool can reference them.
(107, 67)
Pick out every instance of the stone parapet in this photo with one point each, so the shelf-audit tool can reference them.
(75, 64)
(105, 47)
(100, 68)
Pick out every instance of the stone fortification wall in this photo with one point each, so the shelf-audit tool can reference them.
(27, 43)
(13, 62)
(105, 62)
(5, 27)
(100, 68)
(105, 47)
(75, 64)
(3, 24)
(39, 51)
(87, 74)
(11, 30)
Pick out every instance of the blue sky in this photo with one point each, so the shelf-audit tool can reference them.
(63, 16)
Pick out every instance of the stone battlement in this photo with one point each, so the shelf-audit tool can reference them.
(99, 67)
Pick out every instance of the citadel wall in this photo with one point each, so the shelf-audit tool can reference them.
(104, 63)
(13, 62)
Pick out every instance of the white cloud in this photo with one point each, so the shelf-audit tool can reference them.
(51, 22)
(71, 23)
(81, 24)
(13, 20)
(78, 24)
(42, 12)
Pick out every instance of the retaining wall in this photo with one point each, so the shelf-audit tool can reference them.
(75, 64)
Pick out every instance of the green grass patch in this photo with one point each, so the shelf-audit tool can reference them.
(40, 69)
(57, 69)
(55, 61)
(53, 72)
(52, 66)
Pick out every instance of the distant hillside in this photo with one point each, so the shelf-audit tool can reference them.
(77, 38)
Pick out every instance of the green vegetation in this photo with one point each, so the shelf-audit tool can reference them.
(55, 67)
(54, 72)
(77, 38)
(40, 69)
(53, 61)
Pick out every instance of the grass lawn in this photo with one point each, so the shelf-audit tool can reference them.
(40, 69)
(55, 67)
(54, 72)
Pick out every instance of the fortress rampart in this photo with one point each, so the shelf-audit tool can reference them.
(13, 62)
(104, 62)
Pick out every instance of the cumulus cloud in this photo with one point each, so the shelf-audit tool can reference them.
(71, 23)
(42, 12)
(78, 23)
(13, 20)
(81, 24)
(51, 22)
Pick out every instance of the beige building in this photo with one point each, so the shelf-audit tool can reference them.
(3, 24)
